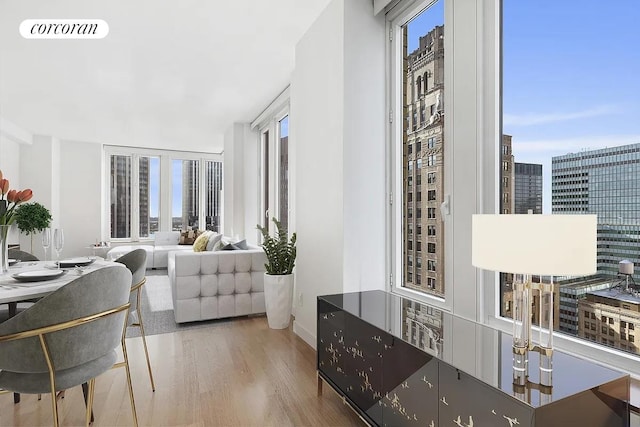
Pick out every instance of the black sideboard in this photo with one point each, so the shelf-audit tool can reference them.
(398, 362)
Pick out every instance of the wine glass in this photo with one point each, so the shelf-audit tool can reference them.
(46, 241)
(58, 242)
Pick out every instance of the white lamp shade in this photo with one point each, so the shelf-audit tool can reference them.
(547, 245)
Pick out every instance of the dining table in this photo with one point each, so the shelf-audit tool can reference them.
(27, 286)
(27, 280)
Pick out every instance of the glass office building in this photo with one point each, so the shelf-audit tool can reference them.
(528, 188)
(605, 182)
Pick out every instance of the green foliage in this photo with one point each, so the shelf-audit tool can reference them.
(281, 252)
(32, 217)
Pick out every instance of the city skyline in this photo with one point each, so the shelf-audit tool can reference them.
(573, 86)
(185, 191)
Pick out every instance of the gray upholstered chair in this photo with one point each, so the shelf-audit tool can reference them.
(68, 338)
(136, 262)
(22, 255)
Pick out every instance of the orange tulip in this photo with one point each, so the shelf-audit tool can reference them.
(12, 196)
(25, 195)
(4, 186)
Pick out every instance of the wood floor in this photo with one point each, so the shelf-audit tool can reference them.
(238, 373)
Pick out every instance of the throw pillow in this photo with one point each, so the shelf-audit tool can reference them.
(200, 244)
(241, 245)
(187, 237)
(214, 242)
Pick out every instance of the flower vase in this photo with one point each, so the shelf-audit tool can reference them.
(4, 248)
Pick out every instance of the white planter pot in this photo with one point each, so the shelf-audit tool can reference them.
(278, 298)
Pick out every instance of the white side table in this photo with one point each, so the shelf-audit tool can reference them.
(100, 251)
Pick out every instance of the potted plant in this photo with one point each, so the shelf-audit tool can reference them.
(32, 218)
(278, 280)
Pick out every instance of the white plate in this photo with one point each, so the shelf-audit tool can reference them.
(75, 262)
(38, 275)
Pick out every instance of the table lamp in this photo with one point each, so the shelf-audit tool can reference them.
(526, 245)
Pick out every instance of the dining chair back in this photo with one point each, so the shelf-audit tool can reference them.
(68, 337)
(21, 255)
(136, 262)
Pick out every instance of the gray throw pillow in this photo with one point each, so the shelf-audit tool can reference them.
(241, 245)
(214, 242)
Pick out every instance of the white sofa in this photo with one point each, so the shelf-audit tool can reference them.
(164, 242)
(218, 284)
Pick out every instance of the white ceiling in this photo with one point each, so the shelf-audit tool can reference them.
(170, 74)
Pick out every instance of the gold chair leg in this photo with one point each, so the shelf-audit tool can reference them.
(54, 405)
(144, 340)
(52, 381)
(146, 353)
(92, 386)
(126, 367)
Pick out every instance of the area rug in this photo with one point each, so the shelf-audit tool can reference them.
(157, 308)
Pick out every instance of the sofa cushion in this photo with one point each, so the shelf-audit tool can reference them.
(166, 238)
(160, 254)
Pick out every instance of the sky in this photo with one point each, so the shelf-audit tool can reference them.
(154, 187)
(571, 76)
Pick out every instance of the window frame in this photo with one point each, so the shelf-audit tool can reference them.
(470, 150)
(166, 188)
(398, 16)
(269, 121)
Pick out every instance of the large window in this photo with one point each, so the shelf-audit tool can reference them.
(120, 195)
(274, 179)
(283, 171)
(149, 194)
(423, 83)
(153, 190)
(127, 181)
(571, 145)
(264, 179)
(213, 195)
(185, 208)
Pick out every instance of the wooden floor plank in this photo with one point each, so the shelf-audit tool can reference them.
(238, 373)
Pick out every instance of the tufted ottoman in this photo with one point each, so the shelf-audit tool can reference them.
(212, 285)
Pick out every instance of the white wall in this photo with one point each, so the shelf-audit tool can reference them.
(316, 127)
(12, 138)
(233, 180)
(364, 195)
(80, 195)
(39, 170)
(337, 125)
(251, 184)
(66, 178)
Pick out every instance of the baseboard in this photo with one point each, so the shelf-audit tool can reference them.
(303, 333)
